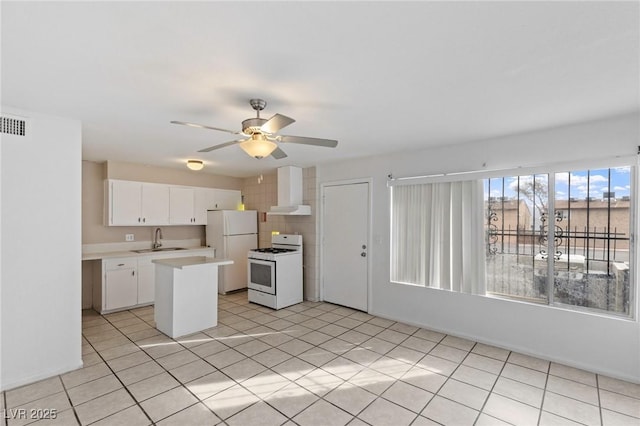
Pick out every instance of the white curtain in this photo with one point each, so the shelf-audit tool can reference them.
(438, 235)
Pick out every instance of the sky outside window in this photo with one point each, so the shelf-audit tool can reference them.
(576, 184)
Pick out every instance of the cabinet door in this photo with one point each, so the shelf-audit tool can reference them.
(181, 204)
(125, 202)
(227, 199)
(146, 282)
(205, 199)
(121, 288)
(155, 204)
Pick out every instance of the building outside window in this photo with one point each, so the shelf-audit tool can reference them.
(588, 244)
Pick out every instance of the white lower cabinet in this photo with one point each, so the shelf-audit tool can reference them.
(128, 282)
(146, 281)
(120, 283)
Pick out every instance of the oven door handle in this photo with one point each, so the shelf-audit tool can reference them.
(262, 261)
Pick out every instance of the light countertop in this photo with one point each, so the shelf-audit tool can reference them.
(185, 262)
(188, 251)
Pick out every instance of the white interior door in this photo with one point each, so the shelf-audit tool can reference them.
(345, 243)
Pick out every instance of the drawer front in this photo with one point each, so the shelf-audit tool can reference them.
(145, 261)
(115, 264)
(263, 299)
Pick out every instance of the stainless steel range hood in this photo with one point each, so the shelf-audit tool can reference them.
(290, 193)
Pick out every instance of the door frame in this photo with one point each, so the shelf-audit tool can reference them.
(323, 186)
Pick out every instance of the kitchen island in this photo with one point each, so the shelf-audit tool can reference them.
(186, 294)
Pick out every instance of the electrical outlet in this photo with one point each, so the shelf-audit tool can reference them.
(128, 237)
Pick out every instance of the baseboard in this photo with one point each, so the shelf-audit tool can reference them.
(515, 348)
(40, 376)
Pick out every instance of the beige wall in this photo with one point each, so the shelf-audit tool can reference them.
(261, 195)
(154, 174)
(93, 175)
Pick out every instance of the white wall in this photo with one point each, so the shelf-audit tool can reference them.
(601, 344)
(41, 250)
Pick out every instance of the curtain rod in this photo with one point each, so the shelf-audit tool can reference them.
(391, 178)
(547, 167)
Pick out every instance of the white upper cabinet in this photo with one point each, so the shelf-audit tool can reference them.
(189, 205)
(205, 199)
(124, 202)
(181, 205)
(155, 204)
(226, 199)
(135, 203)
(130, 203)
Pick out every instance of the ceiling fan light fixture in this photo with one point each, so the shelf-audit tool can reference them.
(195, 164)
(258, 146)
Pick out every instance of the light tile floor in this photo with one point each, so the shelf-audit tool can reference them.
(311, 364)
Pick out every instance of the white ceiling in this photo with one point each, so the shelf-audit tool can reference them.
(378, 76)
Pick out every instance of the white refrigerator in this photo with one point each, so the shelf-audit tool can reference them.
(233, 233)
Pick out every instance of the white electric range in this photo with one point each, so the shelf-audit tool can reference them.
(275, 273)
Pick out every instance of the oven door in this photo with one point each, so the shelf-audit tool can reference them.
(262, 275)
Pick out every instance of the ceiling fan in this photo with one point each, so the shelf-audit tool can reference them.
(261, 138)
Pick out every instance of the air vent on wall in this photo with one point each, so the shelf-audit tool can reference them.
(13, 126)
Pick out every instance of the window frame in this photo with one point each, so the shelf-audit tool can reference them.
(632, 161)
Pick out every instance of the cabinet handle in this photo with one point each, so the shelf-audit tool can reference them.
(138, 220)
(144, 219)
(133, 273)
(120, 264)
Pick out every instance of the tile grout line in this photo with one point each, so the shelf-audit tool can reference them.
(388, 327)
(73, 408)
(356, 416)
(183, 385)
(599, 399)
(125, 387)
(4, 401)
(440, 342)
(218, 370)
(450, 377)
(315, 367)
(231, 318)
(544, 393)
(275, 372)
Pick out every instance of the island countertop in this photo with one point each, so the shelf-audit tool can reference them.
(185, 262)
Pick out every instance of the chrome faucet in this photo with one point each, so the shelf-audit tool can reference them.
(156, 239)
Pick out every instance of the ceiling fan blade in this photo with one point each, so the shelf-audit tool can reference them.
(329, 143)
(222, 145)
(276, 123)
(278, 154)
(202, 126)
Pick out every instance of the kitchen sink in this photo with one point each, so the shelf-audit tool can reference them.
(158, 249)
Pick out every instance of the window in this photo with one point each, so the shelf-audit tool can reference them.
(516, 209)
(561, 238)
(588, 245)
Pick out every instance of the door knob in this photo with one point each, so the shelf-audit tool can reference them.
(364, 247)
(363, 254)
